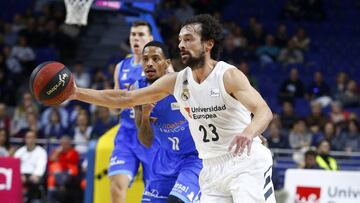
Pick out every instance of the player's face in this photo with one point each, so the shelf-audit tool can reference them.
(192, 49)
(139, 36)
(154, 63)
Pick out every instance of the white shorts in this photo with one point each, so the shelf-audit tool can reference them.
(241, 179)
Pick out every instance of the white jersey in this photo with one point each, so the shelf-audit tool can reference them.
(214, 116)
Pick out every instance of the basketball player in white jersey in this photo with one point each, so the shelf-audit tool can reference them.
(217, 99)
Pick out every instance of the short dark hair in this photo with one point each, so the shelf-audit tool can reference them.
(162, 46)
(142, 23)
(211, 29)
(310, 153)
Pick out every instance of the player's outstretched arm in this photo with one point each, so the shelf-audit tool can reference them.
(239, 86)
(117, 98)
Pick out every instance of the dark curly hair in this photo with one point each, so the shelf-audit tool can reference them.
(211, 29)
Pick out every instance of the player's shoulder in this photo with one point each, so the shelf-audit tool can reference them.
(127, 58)
(225, 66)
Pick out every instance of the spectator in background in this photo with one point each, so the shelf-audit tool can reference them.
(281, 37)
(64, 115)
(324, 159)
(103, 122)
(352, 137)
(341, 81)
(290, 55)
(26, 106)
(33, 124)
(82, 133)
(253, 22)
(300, 137)
(319, 91)
(245, 68)
(33, 165)
(269, 52)
(63, 171)
(316, 118)
(292, 87)
(25, 54)
(54, 127)
(18, 23)
(231, 51)
(7, 93)
(301, 40)
(5, 120)
(4, 142)
(15, 69)
(30, 33)
(239, 37)
(257, 39)
(288, 116)
(310, 160)
(337, 115)
(10, 36)
(275, 138)
(81, 77)
(184, 11)
(351, 97)
(331, 135)
(99, 80)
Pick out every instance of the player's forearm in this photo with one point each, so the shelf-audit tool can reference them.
(113, 98)
(262, 118)
(145, 131)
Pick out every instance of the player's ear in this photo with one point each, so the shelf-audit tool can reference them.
(209, 45)
(168, 62)
(151, 38)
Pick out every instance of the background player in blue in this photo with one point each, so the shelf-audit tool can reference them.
(128, 152)
(175, 166)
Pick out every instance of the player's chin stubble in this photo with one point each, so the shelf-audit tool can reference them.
(195, 62)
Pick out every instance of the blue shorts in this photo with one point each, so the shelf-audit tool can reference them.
(128, 153)
(173, 174)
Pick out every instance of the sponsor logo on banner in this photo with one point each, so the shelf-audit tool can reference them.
(327, 187)
(7, 172)
(307, 194)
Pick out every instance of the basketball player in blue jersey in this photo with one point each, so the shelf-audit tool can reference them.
(218, 102)
(175, 166)
(128, 152)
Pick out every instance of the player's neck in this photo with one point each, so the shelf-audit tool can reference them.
(200, 74)
(137, 59)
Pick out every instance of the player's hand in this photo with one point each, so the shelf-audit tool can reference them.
(73, 95)
(241, 142)
(147, 108)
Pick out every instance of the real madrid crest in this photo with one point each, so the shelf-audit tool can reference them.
(185, 95)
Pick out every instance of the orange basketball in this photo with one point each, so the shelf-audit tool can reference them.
(51, 83)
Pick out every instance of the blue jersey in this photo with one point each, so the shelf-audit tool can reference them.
(128, 74)
(171, 129)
